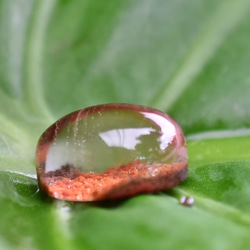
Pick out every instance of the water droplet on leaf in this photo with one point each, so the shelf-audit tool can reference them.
(187, 201)
(129, 149)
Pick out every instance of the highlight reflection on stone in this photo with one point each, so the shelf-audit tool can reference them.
(111, 151)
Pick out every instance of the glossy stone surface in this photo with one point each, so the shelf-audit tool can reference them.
(111, 151)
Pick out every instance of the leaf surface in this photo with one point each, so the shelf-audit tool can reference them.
(187, 58)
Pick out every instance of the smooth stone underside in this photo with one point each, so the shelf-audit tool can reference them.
(111, 151)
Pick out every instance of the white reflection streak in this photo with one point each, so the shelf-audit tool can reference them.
(33, 176)
(167, 128)
(128, 137)
(62, 217)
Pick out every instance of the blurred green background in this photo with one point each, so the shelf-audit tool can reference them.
(189, 58)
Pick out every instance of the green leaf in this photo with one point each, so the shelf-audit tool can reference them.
(187, 58)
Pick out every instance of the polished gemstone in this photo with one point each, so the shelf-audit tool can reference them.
(111, 151)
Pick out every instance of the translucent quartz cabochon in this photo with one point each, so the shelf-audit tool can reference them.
(111, 151)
